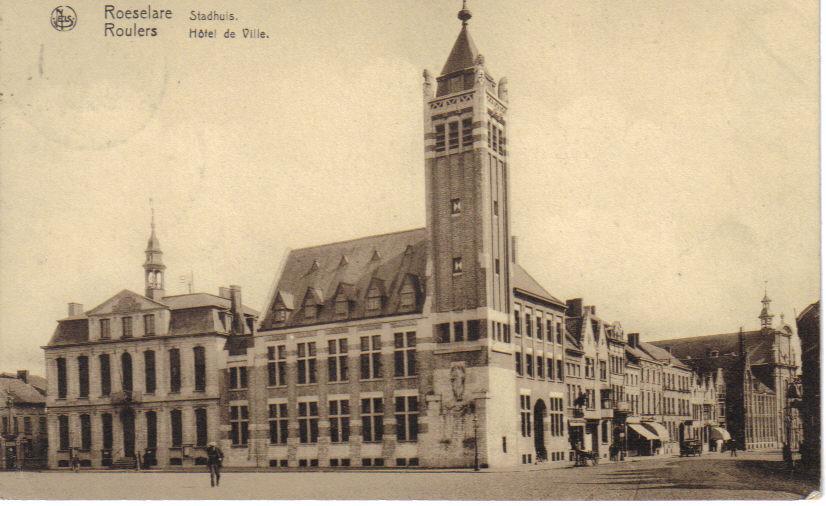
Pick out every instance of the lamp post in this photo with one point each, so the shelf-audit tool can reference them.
(475, 438)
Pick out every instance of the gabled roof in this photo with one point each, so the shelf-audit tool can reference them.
(392, 266)
(463, 54)
(20, 392)
(38, 382)
(660, 354)
(524, 282)
(125, 301)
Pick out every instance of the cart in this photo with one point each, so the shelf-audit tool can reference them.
(691, 447)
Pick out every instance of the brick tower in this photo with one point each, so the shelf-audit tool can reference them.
(469, 289)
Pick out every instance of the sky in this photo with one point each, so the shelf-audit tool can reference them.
(663, 155)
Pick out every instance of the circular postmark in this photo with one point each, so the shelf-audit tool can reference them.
(63, 18)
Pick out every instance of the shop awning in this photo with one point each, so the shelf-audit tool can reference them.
(642, 431)
(659, 430)
(720, 433)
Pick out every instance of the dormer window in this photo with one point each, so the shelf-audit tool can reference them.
(714, 353)
(342, 307)
(374, 299)
(280, 314)
(310, 311)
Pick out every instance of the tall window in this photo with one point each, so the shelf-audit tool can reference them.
(83, 376)
(27, 425)
(458, 331)
(549, 329)
(453, 135)
(339, 421)
(201, 433)
(63, 429)
(467, 132)
(308, 422)
(126, 372)
(149, 371)
(372, 419)
(518, 357)
(149, 324)
(603, 370)
(550, 369)
(151, 429)
(529, 365)
(105, 329)
(407, 418)
(457, 265)
(105, 374)
(277, 365)
(85, 432)
(525, 414)
(278, 423)
(306, 363)
(239, 420)
(559, 332)
(177, 426)
(589, 368)
(374, 299)
(238, 378)
(407, 298)
(404, 354)
(200, 368)
(106, 430)
(540, 367)
(528, 324)
(440, 138)
(61, 378)
(126, 322)
(337, 360)
(539, 326)
(174, 370)
(517, 321)
(370, 358)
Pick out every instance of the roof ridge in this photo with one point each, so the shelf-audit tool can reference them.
(359, 238)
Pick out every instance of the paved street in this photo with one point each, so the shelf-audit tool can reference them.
(750, 476)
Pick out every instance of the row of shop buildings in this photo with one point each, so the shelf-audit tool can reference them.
(430, 347)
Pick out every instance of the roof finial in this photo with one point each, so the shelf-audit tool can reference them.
(152, 213)
(464, 14)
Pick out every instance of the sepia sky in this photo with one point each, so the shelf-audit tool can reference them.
(664, 155)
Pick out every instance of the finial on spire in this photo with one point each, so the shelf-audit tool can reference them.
(152, 214)
(464, 14)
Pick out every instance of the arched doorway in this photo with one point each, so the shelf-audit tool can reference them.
(127, 420)
(539, 414)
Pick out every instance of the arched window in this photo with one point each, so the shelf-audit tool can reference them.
(126, 371)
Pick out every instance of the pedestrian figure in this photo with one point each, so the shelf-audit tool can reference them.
(74, 458)
(215, 459)
(733, 444)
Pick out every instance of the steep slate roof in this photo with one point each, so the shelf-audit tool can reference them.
(191, 300)
(21, 393)
(758, 344)
(526, 283)
(394, 262)
(661, 354)
(463, 54)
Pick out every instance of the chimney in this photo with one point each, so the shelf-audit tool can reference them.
(236, 308)
(224, 292)
(634, 339)
(574, 308)
(513, 249)
(591, 309)
(75, 309)
(23, 376)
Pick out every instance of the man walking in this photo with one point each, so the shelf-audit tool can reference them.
(733, 444)
(74, 459)
(214, 460)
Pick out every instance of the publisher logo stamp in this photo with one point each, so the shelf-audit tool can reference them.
(63, 18)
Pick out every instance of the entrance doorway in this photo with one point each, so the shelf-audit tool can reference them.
(539, 414)
(11, 456)
(127, 419)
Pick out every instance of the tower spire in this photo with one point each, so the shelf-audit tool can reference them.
(766, 317)
(153, 267)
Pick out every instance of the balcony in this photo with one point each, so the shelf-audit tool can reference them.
(575, 413)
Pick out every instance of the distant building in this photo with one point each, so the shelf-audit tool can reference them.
(808, 327)
(759, 367)
(139, 377)
(23, 434)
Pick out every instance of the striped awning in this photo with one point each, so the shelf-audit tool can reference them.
(642, 431)
(719, 433)
(659, 430)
